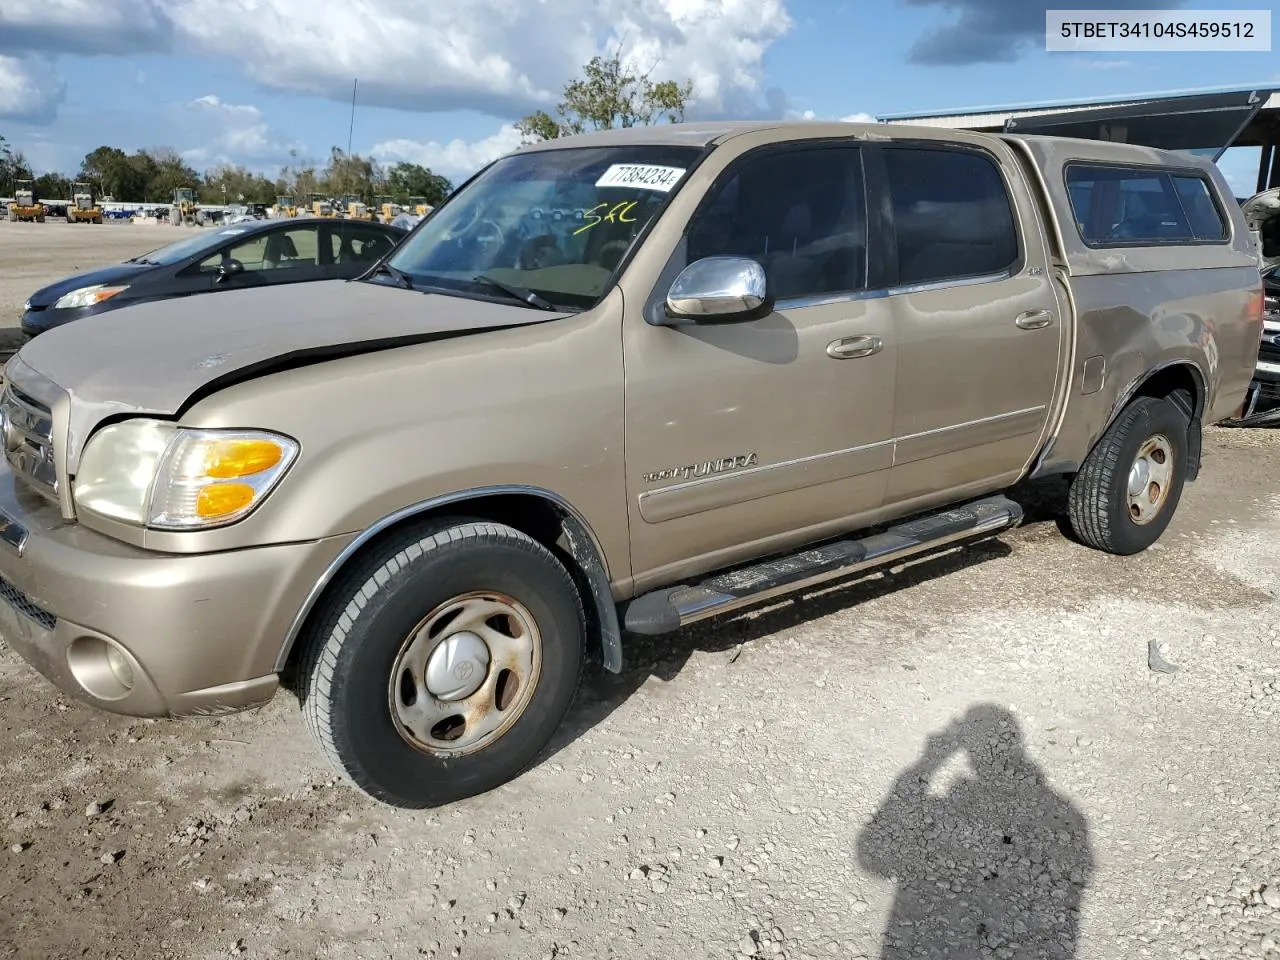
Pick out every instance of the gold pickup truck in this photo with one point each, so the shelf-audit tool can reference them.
(429, 497)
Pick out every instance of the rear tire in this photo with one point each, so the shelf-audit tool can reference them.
(442, 662)
(1127, 489)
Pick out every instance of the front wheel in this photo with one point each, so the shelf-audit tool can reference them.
(443, 662)
(1129, 486)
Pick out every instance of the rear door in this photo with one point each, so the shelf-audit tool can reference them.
(978, 326)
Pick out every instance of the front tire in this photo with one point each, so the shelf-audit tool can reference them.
(443, 662)
(1128, 488)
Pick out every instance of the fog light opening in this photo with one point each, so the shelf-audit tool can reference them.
(104, 670)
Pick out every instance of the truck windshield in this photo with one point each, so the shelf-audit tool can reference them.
(552, 222)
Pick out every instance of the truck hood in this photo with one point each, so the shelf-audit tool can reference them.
(153, 358)
(1260, 210)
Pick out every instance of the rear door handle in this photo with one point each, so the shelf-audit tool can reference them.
(1034, 319)
(849, 348)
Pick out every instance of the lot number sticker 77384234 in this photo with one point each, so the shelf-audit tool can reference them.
(643, 176)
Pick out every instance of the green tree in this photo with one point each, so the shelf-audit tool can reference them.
(53, 186)
(166, 171)
(405, 180)
(608, 95)
(13, 167)
(348, 174)
(233, 184)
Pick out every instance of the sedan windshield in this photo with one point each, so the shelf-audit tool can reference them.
(554, 223)
(180, 250)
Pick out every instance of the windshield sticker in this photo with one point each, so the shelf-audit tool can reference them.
(616, 214)
(646, 176)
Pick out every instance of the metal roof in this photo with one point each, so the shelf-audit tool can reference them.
(1025, 109)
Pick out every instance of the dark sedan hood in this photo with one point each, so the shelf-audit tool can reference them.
(152, 358)
(114, 273)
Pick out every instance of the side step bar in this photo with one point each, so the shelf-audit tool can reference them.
(670, 608)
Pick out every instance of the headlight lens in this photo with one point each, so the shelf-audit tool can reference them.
(87, 296)
(156, 474)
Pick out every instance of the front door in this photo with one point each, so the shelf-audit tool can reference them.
(742, 438)
(979, 329)
(285, 255)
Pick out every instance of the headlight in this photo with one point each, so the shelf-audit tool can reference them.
(87, 296)
(156, 474)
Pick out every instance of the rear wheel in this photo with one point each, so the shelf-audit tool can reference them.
(1128, 488)
(443, 663)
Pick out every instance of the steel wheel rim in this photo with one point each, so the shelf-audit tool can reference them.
(465, 674)
(1150, 477)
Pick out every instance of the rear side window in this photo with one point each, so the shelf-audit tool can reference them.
(951, 215)
(1124, 206)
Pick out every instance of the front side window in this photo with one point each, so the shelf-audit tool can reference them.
(556, 222)
(951, 214)
(276, 250)
(799, 212)
(1128, 206)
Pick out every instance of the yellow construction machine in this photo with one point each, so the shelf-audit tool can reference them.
(320, 207)
(353, 208)
(388, 209)
(24, 205)
(286, 207)
(419, 206)
(82, 208)
(184, 211)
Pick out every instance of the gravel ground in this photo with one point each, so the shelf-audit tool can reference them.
(1023, 749)
(34, 254)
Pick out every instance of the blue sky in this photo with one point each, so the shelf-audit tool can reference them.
(442, 80)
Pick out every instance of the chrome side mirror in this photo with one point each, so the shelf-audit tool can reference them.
(718, 290)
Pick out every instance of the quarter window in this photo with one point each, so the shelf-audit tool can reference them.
(1125, 206)
(800, 213)
(951, 215)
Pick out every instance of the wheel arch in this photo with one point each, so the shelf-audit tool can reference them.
(543, 515)
(1181, 381)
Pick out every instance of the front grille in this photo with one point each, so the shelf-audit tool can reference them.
(28, 440)
(24, 605)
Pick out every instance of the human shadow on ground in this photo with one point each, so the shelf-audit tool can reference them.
(992, 864)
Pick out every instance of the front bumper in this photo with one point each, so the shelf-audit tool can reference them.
(200, 632)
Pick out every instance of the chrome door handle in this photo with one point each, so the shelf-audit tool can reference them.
(848, 348)
(1034, 319)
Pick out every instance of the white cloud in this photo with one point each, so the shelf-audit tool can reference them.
(230, 133)
(86, 26)
(505, 57)
(858, 118)
(29, 89)
(457, 159)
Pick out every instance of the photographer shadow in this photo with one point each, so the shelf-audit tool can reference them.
(993, 864)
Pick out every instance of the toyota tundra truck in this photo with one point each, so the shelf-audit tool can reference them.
(756, 357)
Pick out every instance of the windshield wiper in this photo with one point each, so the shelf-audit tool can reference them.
(400, 276)
(519, 293)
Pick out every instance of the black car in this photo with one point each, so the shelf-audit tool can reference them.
(248, 254)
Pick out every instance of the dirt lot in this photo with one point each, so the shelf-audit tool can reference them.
(34, 254)
(767, 786)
